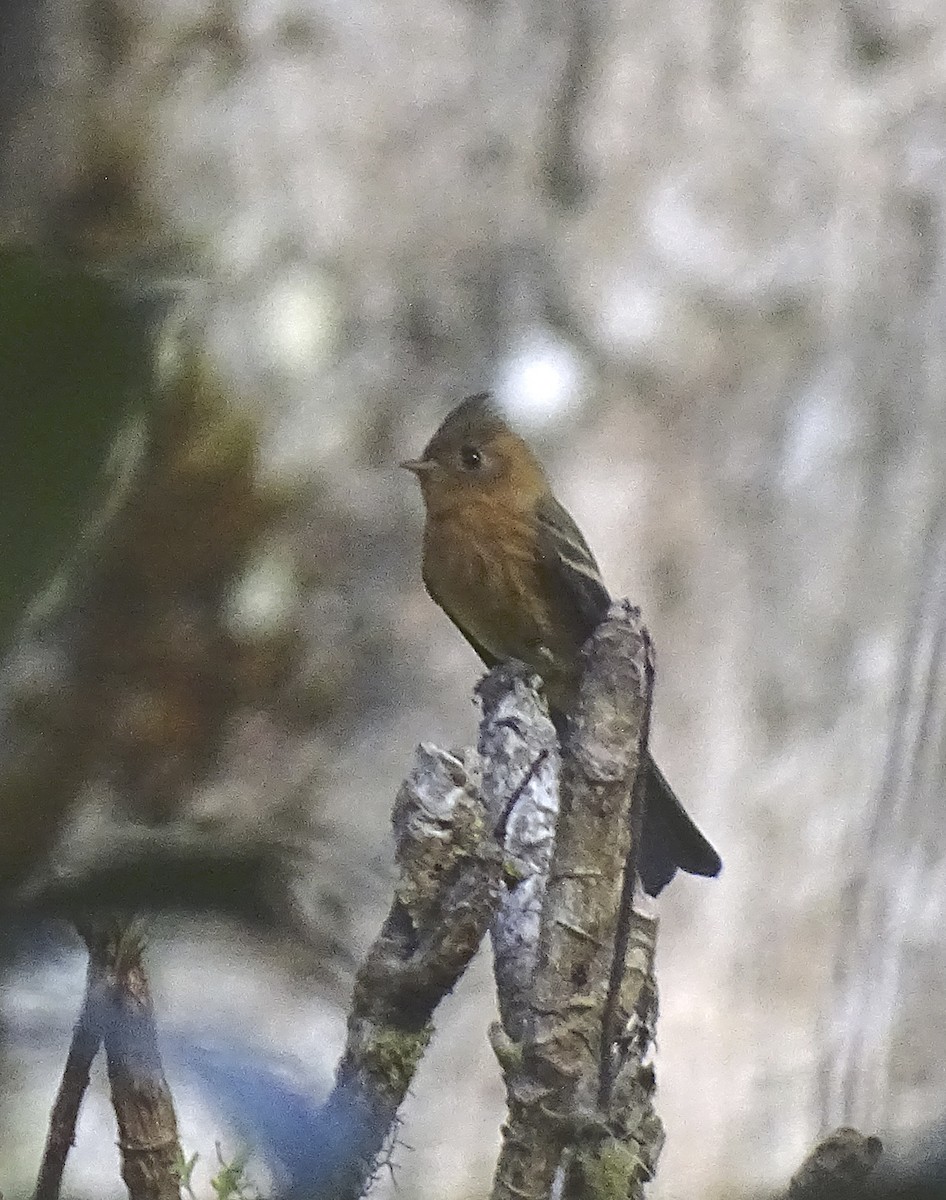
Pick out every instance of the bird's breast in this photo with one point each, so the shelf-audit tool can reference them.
(481, 566)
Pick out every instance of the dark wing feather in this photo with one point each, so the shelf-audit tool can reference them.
(570, 570)
(490, 659)
(670, 839)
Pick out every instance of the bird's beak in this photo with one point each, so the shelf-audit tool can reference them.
(418, 466)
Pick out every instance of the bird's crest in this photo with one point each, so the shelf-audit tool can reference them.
(475, 419)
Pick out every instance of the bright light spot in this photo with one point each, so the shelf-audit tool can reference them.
(263, 601)
(300, 317)
(541, 380)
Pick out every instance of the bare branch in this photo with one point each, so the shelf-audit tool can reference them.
(576, 1081)
(86, 1039)
(574, 962)
(147, 1124)
(518, 747)
(117, 1011)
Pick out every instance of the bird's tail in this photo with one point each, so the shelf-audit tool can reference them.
(670, 841)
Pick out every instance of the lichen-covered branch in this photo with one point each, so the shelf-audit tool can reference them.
(450, 820)
(449, 870)
(579, 1092)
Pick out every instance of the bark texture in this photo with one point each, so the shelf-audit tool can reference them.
(580, 1097)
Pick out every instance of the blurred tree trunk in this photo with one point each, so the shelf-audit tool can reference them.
(731, 218)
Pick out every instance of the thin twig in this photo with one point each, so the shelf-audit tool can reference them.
(86, 1039)
(534, 767)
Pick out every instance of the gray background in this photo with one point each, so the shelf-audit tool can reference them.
(697, 248)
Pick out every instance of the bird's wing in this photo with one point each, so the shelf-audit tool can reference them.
(490, 659)
(569, 569)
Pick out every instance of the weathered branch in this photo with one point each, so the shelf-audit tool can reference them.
(574, 965)
(474, 848)
(449, 876)
(147, 1124)
(573, 1064)
(519, 753)
(117, 1011)
(450, 820)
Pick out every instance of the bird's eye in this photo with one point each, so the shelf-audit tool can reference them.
(471, 458)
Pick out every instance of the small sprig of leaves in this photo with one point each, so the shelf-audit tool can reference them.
(231, 1182)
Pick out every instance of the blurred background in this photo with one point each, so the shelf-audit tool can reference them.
(253, 250)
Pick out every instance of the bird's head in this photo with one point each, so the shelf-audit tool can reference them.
(475, 455)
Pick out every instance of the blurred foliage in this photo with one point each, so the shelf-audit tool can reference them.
(73, 352)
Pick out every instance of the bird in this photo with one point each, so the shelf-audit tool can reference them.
(512, 571)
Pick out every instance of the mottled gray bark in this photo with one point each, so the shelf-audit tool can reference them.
(451, 820)
(574, 967)
(580, 1099)
(518, 742)
(449, 867)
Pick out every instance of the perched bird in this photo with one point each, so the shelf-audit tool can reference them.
(510, 568)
